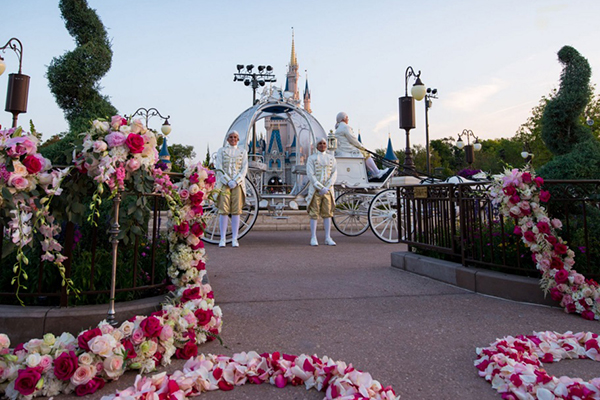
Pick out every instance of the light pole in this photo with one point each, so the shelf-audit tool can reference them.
(526, 153)
(469, 148)
(431, 94)
(407, 113)
(257, 78)
(18, 84)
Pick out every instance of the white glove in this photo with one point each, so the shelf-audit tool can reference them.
(323, 191)
(232, 184)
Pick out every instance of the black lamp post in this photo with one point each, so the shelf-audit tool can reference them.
(407, 113)
(18, 84)
(256, 78)
(431, 94)
(469, 148)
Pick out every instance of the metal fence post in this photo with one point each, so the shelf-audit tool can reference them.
(114, 233)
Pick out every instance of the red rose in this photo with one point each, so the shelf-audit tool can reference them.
(515, 198)
(544, 195)
(509, 190)
(539, 181)
(33, 164)
(198, 229)
(526, 177)
(203, 316)
(197, 209)
(191, 294)
(151, 327)
(543, 227)
(556, 263)
(517, 231)
(84, 338)
(211, 178)
(560, 248)
(188, 351)
(556, 294)
(182, 228)
(91, 387)
(135, 142)
(587, 314)
(65, 365)
(194, 178)
(200, 245)
(210, 295)
(571, 308)
(561, 276)
(197, 198)
(551, 239)
(27, 380)
(529, 236)
(201, 266)
(129, 349)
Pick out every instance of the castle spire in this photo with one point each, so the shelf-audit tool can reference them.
(307, 94)
(293, 59)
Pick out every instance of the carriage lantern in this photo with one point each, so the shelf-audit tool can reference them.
(331, 141)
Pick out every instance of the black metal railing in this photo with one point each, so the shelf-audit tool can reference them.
(460, 222)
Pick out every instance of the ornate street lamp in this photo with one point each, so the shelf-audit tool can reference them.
(407, 112)
(256, 78)
(17, 91)
(431, 94)
(469, 148)
(148, 113)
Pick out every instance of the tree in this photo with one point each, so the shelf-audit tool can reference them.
(73, 77)
(179, 155)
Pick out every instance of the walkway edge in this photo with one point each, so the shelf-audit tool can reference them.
(507, 286)
(24, 323)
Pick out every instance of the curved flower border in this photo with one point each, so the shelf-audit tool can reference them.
(518, 195)
(514, 366)
(217, 372)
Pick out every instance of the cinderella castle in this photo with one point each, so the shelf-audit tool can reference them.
(278, 146)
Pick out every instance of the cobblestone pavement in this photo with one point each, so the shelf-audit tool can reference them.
(416, 334)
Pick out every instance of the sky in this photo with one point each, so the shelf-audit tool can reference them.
(491, 61)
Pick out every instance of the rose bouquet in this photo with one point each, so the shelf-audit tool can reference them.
(28, 185)
(518, 195)
(112, 151)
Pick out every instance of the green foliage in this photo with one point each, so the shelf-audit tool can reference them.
(561, 125)
(73, 77)
(583, 162)
(179, 154)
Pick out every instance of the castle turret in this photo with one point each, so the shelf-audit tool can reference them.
(307, 96)
(291, 84)
(389, 154)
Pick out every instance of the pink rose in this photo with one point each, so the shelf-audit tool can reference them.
(27, 380)
(184, 194)
(166, 333)
(114, 139)
(151, 327)
(65, 365)
(90, 387)
(133, 165)
(117, 121)
(45, 363)
(113, 366)
(99, 146)
(578, 279)
(135, 142)
(544, 195)
(137, 126)
(18, 182)
(83, 374)
(138, 336)
(561, 276)
(556, 223)
(33, 164)
(85, 336)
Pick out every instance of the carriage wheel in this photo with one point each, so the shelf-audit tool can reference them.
(247, 219)
(383, 216)
(350, 215)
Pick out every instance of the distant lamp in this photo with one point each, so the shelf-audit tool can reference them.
(418, 90)
(470, 149)
(166, 127)
(477, 145)
(526, 153)
(459, 143)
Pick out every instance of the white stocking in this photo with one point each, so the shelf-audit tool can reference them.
(371, 166)
(223, 221)
(327, 227)
(313, 228)
(235, 226)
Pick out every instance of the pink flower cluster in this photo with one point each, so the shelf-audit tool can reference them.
(513, 365)
(51, 365)
(185, 239)
(217, 372)
(518, 195)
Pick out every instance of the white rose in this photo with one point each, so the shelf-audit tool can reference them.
(86, 358)
(103, 345)
(33, 359)
(113, 366)
(193, 189)
(127, 328)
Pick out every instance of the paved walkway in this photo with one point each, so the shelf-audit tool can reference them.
(416, 334)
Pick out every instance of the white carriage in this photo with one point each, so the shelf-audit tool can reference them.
(278, 181)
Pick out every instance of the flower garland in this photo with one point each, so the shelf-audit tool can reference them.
(518, 195)
(28, 184)
(513, 365)
(112, 151)
(217, 372)
(66, 364)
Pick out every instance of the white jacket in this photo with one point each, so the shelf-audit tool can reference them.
(321, 169)
(231, 164)
(347, 142)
